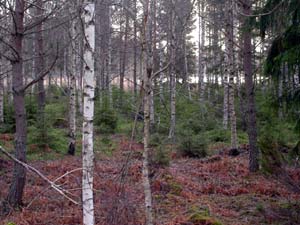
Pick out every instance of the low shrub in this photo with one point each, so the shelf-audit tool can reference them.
(105, 145)
(56, 140)
(218, 135)
(106, 121)
(193, 146)
(156, 140)
(161, 157)
(55, 114)
(271, 158)
(9, 125)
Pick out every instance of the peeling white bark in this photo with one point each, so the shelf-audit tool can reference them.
(88, 114)
(72, 97)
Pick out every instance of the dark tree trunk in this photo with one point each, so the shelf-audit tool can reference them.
(251, 126)
(15, 194)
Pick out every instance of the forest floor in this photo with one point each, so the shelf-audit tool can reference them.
(215, 190)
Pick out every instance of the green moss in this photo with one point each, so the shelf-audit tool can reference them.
(259, 207)
(176, 188)
(201, 215)
(201, 219)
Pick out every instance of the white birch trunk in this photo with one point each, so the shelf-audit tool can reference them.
(88, 114)
(147, 74)
(152, 118)
(80, 69)
(72, 97)
(161, 74)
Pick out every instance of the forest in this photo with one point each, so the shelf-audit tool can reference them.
(143, 112)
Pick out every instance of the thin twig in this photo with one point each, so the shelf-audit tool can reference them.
(34, 170)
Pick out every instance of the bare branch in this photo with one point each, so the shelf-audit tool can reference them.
(41, 76)
(34, 170)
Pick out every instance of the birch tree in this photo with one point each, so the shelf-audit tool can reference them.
(72, 92)
(88, 113)
(147, 76)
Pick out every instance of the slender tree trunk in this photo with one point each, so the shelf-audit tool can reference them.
(109, 60)
(251, 127)
(225, 101)
(225, 79)
(80, 71)
(99, 37)
(186, 72)
(1, 93)
(88, 114)
(148, 57)
(72, 91)
(135, 50)
(160, 63)
(40, 66)
(240, 88)
(172, 77)
(230, 71)
(79, 93)
(201, 66)
(154, 66)
(161, 75)
(124, 53)
(16, 189)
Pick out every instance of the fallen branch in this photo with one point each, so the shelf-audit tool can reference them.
(34, 170)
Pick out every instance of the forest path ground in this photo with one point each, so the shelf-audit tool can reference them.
(189, 191)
